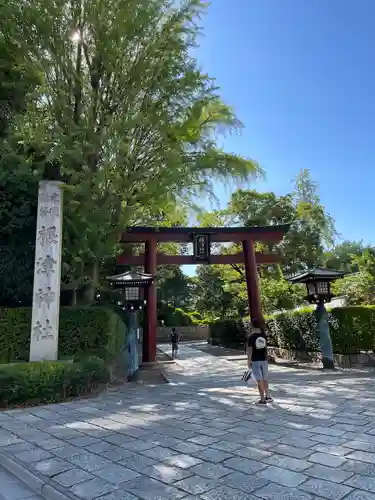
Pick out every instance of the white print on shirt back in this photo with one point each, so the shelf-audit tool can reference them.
(260, 343)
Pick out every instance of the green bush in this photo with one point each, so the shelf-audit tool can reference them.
(83, 332)
(228, 333)
(50, 381)
(352, 330)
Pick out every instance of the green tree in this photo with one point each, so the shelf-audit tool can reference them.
(125, 114)
(341, 256)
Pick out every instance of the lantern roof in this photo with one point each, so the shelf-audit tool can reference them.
(317, 274)
(131, 278)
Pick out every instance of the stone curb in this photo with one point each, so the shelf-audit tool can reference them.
(45, 487)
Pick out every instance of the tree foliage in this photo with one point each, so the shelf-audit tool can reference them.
(122, 114)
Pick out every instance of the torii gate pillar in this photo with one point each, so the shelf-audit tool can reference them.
(252, 281)
(149, 335)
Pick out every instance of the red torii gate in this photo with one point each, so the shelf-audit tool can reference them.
(201, 239)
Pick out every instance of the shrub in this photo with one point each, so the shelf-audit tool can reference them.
(228, 333)
(83, 332)
(50, 381)
(352, 330)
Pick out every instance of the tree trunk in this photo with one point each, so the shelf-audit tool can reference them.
(74, 298)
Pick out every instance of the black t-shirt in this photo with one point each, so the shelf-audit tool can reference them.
(258, 342)
(174, 337)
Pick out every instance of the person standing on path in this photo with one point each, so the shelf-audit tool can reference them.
(257, 359)
(174, 337)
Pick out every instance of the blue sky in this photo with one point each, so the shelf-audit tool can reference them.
(300, 75)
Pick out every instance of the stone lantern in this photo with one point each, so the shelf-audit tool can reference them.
(131, 284)
(318, 283)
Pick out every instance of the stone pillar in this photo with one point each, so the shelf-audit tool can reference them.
(47, 273)
(252, 281)
(149, 335)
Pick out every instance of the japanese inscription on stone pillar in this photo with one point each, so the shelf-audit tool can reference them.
(47, 273)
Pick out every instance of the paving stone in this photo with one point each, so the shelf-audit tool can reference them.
(119, 495)
(13, 449)
(183, 461)
(150, 489)
(119, 439)
(361, 446)
(281, 476)
(205, 440)
(328, 473)
(363, 456)
(244, 482)
(71, 477)
(196, 485)
(211, 471)
(7, 438)
(100, 447)
(362, 482)
(276, 492)
(326, 459)
(67, 451)
(116, 474)
(285, 462)
(188, 448)
(12, 488)
(243, 465)
(33, 455)
(89, 461)
(252, 453)
(326, 489)
(85, 441)
(52, 466)
(291, 451)
(300, 443)
(160, 453)
(92, 488)
(339, 451)
(327, 439)
(226, 493)
(211, 455)
(50, 443)
(138, 462)
(359, 495)
(165, 473)
(138, 445)
(357, 467)
(225, 446)
(117, 453)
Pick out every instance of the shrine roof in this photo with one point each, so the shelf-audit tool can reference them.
(218, 234)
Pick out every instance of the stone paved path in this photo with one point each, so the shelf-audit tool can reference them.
(11, 488)
(201, 437)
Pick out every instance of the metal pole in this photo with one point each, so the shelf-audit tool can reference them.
(324, 335)
(132, 341)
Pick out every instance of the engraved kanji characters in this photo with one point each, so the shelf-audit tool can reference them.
(45, 210)
(43, 332)
(46, 297)
(47, 235)
(46, 265)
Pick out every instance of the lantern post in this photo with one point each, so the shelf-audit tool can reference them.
(318, 283)
(131, 284)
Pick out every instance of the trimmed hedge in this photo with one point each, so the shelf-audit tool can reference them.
(83, 332)
(352, 330)
(50, 381)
